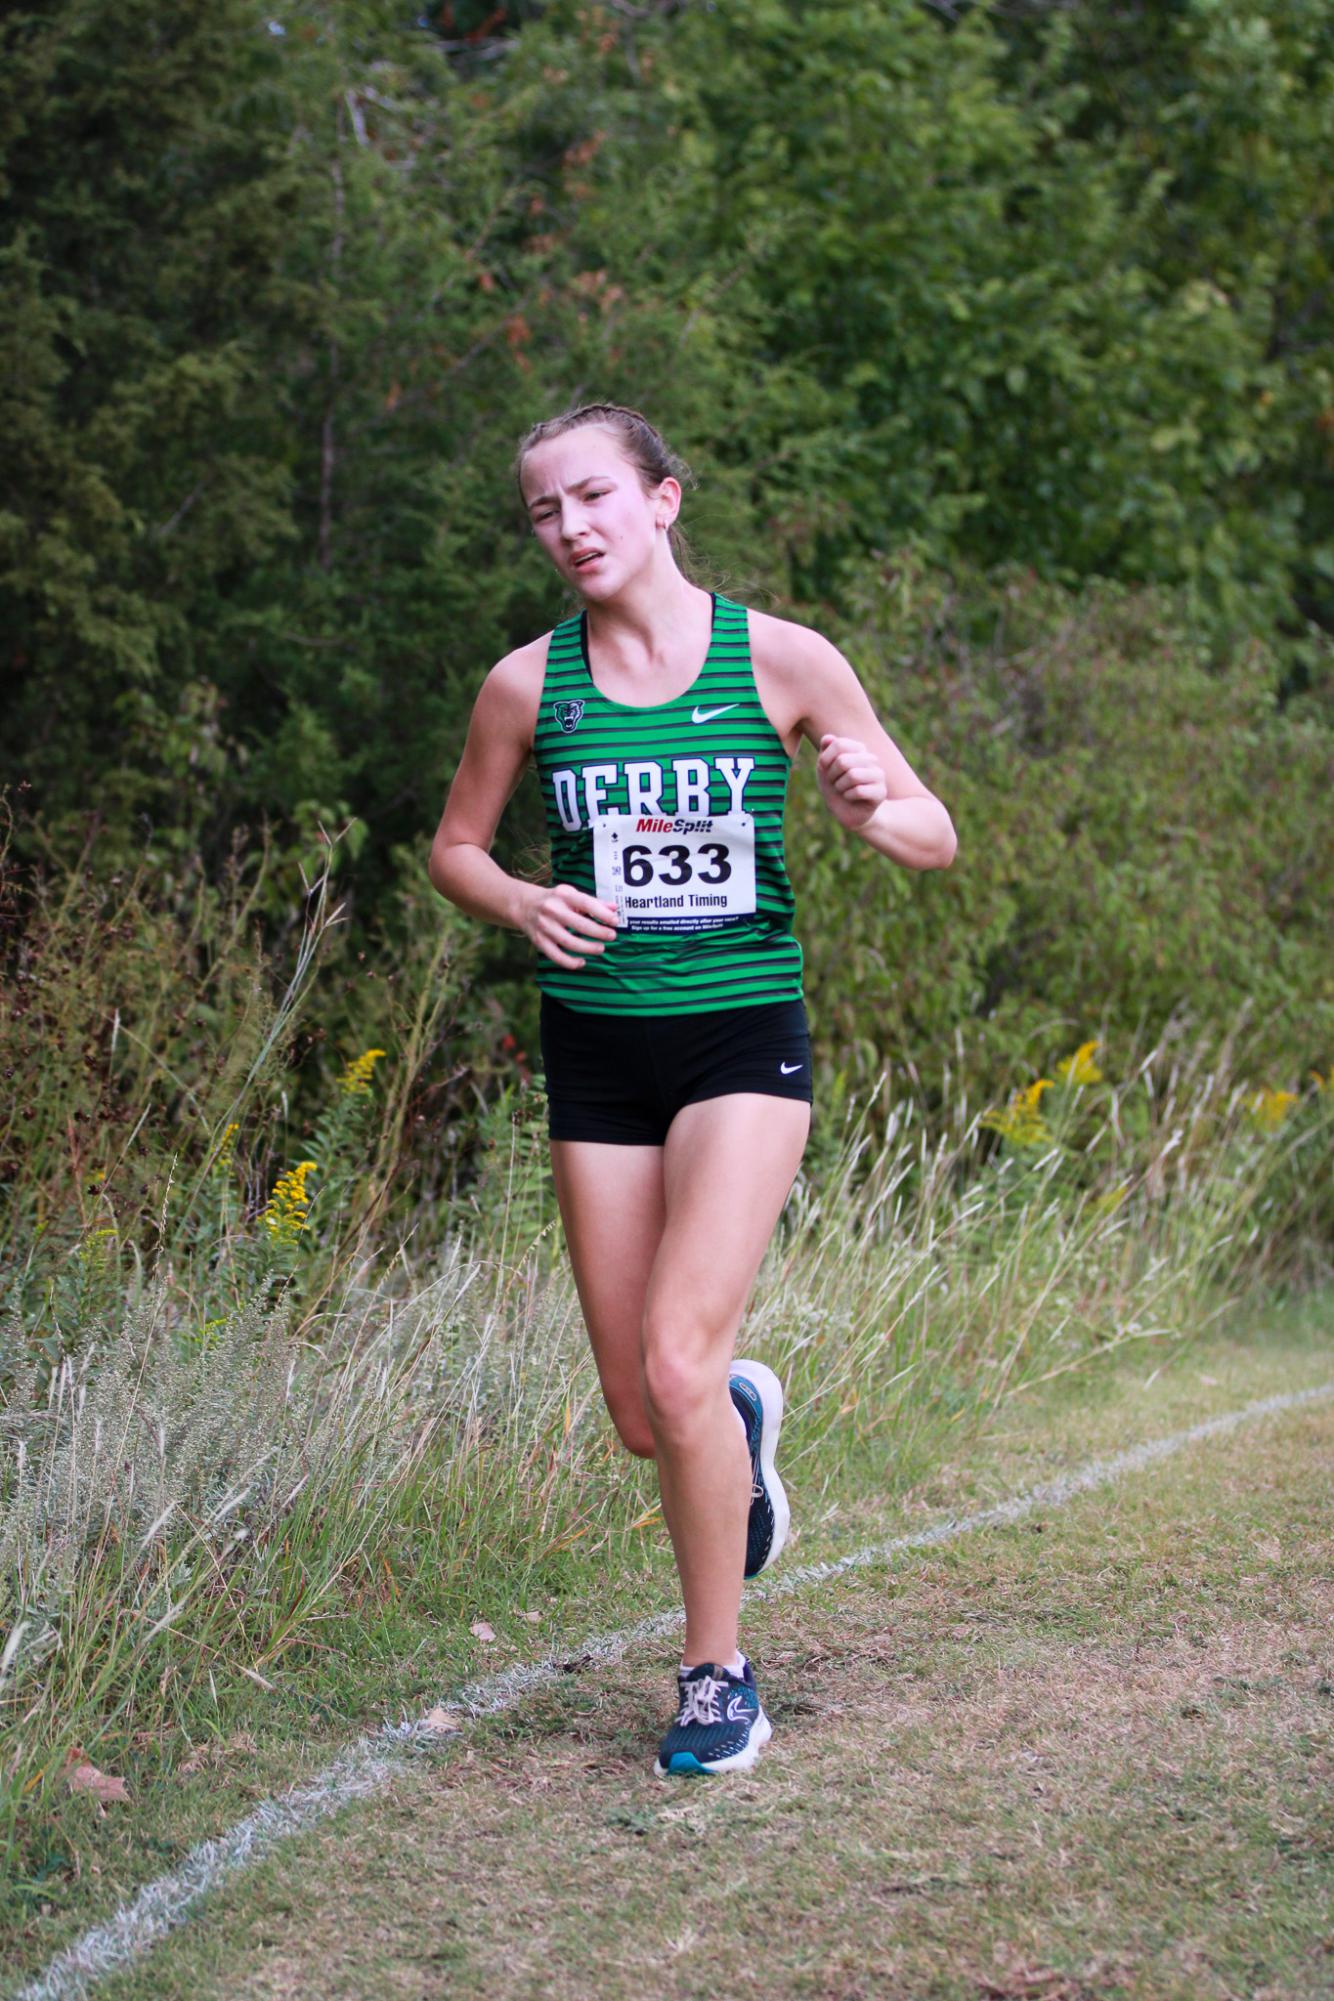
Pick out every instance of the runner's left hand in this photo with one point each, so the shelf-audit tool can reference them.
(852, 781)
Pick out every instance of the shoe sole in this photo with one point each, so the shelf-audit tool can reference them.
(684, 1764)
(771, 1403)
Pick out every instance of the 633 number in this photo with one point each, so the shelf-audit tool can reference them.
(641, 865)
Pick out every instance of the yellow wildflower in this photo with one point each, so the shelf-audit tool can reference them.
(285, 1213)
(356, 1077)
(94, 1247)
(1021, 1122)
(225, 1151)
(1270, 1108)
(1080, 1068)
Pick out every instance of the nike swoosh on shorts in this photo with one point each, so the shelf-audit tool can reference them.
(788, 1068)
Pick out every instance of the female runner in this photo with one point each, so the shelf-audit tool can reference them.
(663, 720)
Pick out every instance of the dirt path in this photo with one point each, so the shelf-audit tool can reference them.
(1082, 1758)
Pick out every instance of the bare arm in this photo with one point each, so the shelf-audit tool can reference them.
(560, 920)
(864, 778)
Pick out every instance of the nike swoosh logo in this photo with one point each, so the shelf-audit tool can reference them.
(707, 715)
(788, 1068)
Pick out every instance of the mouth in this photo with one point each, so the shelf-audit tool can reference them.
(586, 558)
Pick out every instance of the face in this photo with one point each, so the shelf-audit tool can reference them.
(589, 510)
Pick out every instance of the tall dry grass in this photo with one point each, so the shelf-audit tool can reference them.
(176, 1513)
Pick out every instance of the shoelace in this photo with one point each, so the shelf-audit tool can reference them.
(699, 1701)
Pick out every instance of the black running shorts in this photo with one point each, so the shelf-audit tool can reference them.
(623, 1078)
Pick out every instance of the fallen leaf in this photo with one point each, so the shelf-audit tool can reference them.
(482, 1630)
(85, 1778)
(531, 1617)
(441, 1719)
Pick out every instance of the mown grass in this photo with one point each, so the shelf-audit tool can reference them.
(1081, 1758)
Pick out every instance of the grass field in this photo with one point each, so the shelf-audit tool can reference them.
(1088, 1755)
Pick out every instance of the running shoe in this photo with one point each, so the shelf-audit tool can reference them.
(721, 1725)
(758, 1395)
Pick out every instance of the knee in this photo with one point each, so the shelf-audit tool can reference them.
(678, 1387)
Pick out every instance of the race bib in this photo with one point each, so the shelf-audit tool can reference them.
(679, 874)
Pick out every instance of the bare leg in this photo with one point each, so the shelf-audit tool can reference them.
(727, 1168)
(613, 1208)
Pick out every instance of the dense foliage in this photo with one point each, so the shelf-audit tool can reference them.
(1031, 306)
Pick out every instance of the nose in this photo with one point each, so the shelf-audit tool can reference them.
(571, 517)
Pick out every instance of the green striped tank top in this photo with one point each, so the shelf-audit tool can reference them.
(673, 811)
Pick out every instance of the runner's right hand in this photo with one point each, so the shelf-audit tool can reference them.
(564, 921)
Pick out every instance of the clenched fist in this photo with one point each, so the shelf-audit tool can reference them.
(852, 782)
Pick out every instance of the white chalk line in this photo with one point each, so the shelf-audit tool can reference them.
(369, 1764)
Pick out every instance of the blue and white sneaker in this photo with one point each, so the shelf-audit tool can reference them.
(721, 1725)
(758, 1395)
